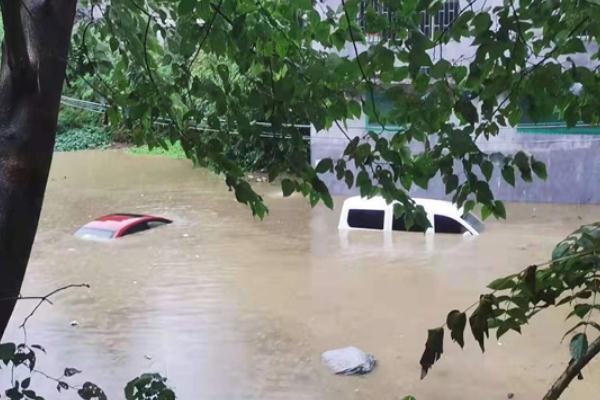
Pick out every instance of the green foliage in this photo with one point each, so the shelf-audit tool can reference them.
(173, 151)
(225, 64)
(83, 139)
(456, 322)
(149, 387)
(82, 130)
(571, 279)
(434, 348)
(21, 359)
(70, 118)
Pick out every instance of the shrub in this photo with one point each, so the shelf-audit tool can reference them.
(89, 137)
(70, 118)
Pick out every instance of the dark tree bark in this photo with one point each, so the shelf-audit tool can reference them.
(573, 370)
(34, 53)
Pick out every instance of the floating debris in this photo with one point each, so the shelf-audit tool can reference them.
(349, 361)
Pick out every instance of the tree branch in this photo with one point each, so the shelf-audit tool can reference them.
(45, 298)
(573, 370)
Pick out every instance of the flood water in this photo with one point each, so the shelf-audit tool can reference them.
(228, 307)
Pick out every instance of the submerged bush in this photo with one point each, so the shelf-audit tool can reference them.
(174, 151)
(88, 137)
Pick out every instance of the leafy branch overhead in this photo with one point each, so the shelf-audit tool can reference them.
(570, 280)
(225, 66)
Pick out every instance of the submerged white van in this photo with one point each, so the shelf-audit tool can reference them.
(375, 213)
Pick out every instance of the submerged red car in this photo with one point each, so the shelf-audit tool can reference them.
(114, 226)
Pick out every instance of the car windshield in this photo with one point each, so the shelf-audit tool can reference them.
(94, 233)
(474, 222)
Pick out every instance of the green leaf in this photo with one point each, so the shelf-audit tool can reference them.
(39, 347)
(486, 212)
(313, 198)
(578, 346)
(499, 210)
(529, 276)
(434, 348)
(506, 325)
(325, 165)
(91, 391)
(456, 322)
(451, 183)
(288, 187)
(7, 352)
(71, 371)
(354, 108)
(479, 320)
(522, 162)
(560, 250)
(581, 310)
(502, 283)
(465, 108)
(187, 6)
(327, 200)
(349, 179)
(223, 72)
(487, 168)
(508, 173)
(440, 69)
(573, 45)
(539, 168)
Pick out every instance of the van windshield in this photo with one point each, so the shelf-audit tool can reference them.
(474, 222)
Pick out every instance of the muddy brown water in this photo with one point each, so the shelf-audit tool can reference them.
(231, 308)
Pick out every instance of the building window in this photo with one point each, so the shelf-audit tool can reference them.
(446, 16)
(380, 9)
(431, 23)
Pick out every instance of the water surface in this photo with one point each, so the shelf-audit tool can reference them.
(228, 307)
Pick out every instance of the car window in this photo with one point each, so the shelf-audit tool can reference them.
(474, 222)
(447, 225)
(400, 225)
(137, 228)
(155, 224)
(94, 233)
(366, 219)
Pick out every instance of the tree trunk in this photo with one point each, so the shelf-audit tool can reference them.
(34, 53)
(573, 370)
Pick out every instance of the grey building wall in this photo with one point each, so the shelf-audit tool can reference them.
(573, 161)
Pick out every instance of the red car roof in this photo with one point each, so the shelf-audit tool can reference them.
(119, 223)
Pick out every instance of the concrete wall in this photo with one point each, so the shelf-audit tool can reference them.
(573, 163)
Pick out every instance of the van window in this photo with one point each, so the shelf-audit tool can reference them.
(367, 219)
(400, 225)
(447, 225)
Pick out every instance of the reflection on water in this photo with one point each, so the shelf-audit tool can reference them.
(231, 308)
